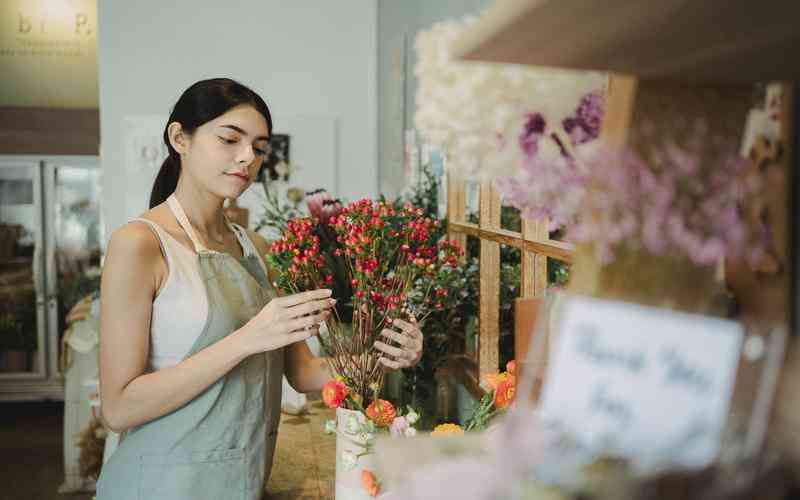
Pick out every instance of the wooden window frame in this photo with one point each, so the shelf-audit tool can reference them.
(535, 246)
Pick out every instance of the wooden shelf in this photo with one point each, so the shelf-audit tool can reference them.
(721, 41)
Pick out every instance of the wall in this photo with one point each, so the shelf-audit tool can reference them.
(313, 62)
(398, 24)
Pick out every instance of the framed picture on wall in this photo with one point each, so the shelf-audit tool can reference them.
(276, 164)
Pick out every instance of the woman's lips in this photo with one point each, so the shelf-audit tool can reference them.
(242, 177)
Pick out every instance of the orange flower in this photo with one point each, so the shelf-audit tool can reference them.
(505, 392)
(381, 412)
(447, 430)
(370, 483)
(494, 379)
(333, 393)
(511, 368)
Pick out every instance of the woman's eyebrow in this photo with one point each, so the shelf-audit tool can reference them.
(242, 131)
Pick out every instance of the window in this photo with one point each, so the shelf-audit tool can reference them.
(541, 260)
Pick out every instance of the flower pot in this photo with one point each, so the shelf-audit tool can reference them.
(348, 474)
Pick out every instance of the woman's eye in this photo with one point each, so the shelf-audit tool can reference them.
(227, 141)
(260, 152)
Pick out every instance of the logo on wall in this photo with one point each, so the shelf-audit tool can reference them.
(48, 53)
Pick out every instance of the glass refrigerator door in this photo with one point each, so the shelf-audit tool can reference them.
(74, 237)
(22, 316)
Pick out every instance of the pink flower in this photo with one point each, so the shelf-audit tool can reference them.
(398, 427)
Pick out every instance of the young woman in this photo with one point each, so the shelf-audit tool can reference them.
(194, 339)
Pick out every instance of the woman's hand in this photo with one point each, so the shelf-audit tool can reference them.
(409, 338)
(286, 320)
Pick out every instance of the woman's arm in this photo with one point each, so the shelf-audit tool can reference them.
(131, 397)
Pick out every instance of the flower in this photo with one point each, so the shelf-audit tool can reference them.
(471, 110)
(349, 460)
(412, 417)
(399, 426)
(447, 430)
(333, 393)
(370, 483)
(511, 367)
(494, 379)
(330, 427)
(410, 432)
(381, 412)
(504, 394)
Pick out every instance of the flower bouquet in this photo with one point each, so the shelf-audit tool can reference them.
(374, 256)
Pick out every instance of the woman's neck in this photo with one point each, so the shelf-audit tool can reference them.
(203, 210)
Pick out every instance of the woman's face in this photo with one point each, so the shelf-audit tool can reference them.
(224, 155)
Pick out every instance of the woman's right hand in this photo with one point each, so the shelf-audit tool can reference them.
(286, 320)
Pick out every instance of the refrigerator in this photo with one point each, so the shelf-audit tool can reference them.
(51, 240)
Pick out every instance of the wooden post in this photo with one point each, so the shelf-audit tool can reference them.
(489, 339)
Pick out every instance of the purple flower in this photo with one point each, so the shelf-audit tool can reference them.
(532, 131)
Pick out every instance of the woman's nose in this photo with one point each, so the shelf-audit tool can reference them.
(246, 155)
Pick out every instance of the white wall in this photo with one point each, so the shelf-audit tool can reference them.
(312, 61)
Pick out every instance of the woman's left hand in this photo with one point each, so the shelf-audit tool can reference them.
(409, 340)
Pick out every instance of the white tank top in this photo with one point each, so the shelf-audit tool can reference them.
(181, 307)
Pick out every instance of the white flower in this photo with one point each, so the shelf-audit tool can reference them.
(352, 426)
(412, 417)
(349, 460)
(330, 427)
(475, 111)
(410, 432)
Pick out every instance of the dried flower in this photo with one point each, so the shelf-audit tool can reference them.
(333, 393)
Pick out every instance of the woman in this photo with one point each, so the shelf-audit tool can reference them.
(194, 340)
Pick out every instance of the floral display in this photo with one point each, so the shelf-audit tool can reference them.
(372, 254)
(549, 183)
(669, 203)
(472, 110)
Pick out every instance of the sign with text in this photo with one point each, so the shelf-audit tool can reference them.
(643, 383)
(48, 53)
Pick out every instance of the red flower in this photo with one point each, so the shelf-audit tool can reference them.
(333, 393)
(381, 412)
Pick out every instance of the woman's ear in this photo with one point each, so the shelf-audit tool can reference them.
(177, 137)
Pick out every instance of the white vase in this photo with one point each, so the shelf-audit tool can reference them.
(348, 479)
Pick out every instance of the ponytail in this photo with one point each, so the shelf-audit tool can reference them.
(166, 180)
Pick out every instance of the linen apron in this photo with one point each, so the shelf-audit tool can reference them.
(219, 445)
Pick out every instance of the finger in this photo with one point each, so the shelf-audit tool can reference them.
(397, 337)
(299, 298)
(394, 365)
(403, 325)
(298, 336)
(394, 351)
(310, 307)
(307, 321)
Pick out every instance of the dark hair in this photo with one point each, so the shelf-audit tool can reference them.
(199, 104)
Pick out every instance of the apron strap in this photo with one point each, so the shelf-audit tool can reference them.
(177, 210)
